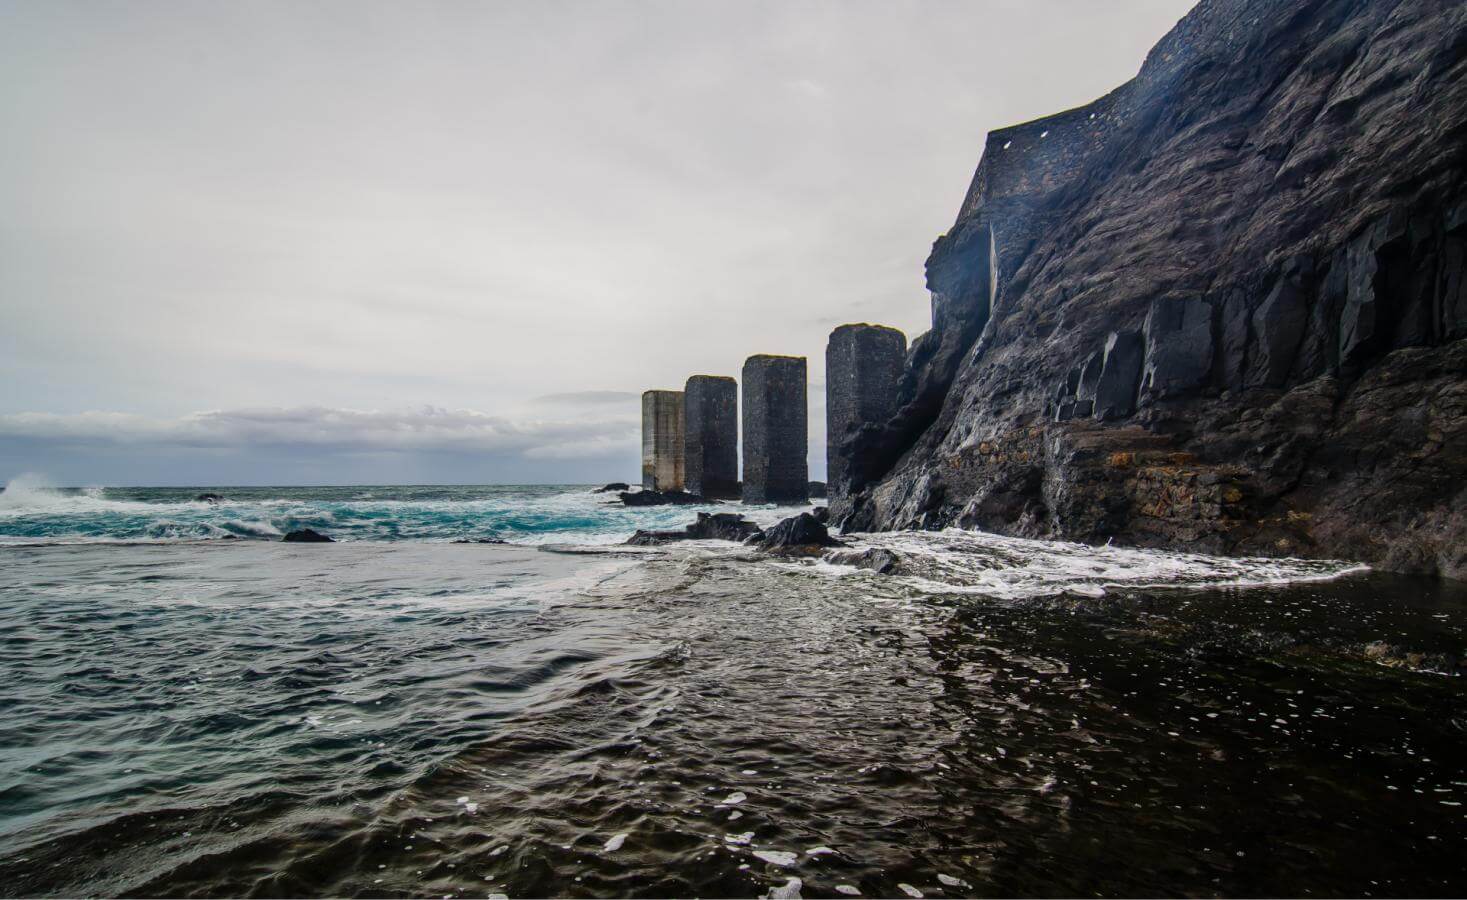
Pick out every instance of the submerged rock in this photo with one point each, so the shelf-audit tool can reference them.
(661, 498)
(481, 541)
(209, 498)
(306, 536)
(613, 486)
(880, 561)
(798, 534)
(708, 527)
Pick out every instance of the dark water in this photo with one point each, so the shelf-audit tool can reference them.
(429, 719)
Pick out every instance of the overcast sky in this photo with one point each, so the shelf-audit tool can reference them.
(403, 242)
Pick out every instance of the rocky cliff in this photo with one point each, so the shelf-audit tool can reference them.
(1222, 308)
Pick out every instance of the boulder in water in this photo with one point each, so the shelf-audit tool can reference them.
(613, 486)
(801, 534)
(209, 498)
(306, 536)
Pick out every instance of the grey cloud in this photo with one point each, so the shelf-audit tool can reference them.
(322, 428)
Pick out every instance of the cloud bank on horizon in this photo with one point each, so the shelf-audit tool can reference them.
(454, 242)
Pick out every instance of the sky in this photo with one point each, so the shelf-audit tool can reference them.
(323, 242)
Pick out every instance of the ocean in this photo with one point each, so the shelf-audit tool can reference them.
(192, 707)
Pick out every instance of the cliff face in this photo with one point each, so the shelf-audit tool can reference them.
(1223, 308)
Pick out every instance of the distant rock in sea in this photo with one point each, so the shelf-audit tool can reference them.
(709, 526)
(819, 489)
(613, 486)
(209, 498)
(306, 536)
(661, 498)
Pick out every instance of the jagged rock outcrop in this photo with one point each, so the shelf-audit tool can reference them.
(1223, 308)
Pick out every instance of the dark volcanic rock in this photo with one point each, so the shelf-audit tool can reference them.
(798, 534)
(817, 489)
(1222, 308)
(1178, 339)
(821, 514)
(709, 526)
(306, 536)
(613, 486)
(209, 498)
(661, 498)
(1120, 368)
(1278, 326)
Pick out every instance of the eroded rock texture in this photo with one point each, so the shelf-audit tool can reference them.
(1222, 308)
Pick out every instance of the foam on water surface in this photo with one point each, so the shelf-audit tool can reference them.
(954, 561)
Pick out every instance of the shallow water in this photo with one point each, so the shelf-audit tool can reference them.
(416, 717)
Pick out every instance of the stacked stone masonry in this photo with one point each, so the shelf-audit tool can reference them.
(662, 440)
(711, 429)
(863, 370)
(775, 422)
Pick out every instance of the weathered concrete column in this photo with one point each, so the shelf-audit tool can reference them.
(863, 365)
(711, 436)
(776, 426)
(662, 440)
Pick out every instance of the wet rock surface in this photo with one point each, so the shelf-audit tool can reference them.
(879, 560)
(798, 534)
(1221, 309)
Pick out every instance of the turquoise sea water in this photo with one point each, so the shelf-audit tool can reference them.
(31, 511)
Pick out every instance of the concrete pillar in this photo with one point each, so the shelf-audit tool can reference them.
(776, 426)
(662, 440)
(863, 365)
(711, 436)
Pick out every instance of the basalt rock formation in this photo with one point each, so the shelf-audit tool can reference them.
(1223, 308)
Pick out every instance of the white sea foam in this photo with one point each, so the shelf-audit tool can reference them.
(957, 561)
